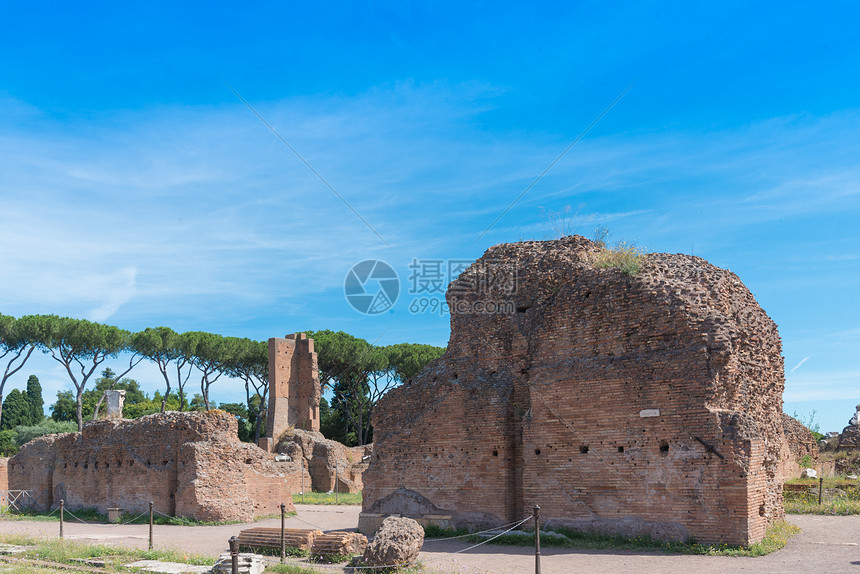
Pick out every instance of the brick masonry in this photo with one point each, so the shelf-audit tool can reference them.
(189, 464)
(294, 388)
(799, 443)
(608, 400)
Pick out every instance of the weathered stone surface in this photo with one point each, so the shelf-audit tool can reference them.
(114, 400)
(850, 437)
(808, 473)
(324, 461)
(189, 464)
(247, 564)
(799, 443)
(338, 544)
(397, 543)
(537, 399)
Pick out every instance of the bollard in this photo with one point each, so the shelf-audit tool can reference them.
(234, 553)
(820, 488)
(62, 504)
(536, 511)
(283, 539)
(150, 525)
(302, 460)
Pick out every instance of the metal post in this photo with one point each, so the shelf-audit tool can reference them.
(62, 509)
(234, 553)
(336, 468)
(302, 460)
(536, 511)
(150, 524)
(283, 539)
(820, 488)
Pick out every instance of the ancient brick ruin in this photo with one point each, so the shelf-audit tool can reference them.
(850, 437)
(294, 388)
(800, 448)
(647, 404)
(189, 464)
(327, 464)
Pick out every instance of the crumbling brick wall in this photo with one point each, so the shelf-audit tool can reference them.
(188, 464)
(639, 405)
(326, 464)
(294, 388)
(800, 444)
(4, 475)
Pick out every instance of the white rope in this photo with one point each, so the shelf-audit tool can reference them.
(426, 540)
(444, 556)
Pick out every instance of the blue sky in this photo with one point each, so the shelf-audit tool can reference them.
(136, 189)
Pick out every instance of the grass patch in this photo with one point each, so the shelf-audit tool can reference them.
(328, 498)
(775, 538)
(92, 515)
(290, 569)
(835, 502)
(624, 256)
(115, 558)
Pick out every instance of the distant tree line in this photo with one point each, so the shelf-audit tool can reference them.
(357, 372)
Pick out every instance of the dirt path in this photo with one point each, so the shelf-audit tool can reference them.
(827, 544)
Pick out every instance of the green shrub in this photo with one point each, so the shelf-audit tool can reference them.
(48, 426)
(8, 443)
(624, 256)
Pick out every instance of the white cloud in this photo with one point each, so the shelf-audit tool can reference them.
(797, 366)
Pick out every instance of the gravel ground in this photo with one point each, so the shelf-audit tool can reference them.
(827, 544)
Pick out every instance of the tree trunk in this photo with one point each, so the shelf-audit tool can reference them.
(80, 412)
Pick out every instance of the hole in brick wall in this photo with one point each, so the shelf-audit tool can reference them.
(164, 463)
(537, 451)
(131, 463)
(96, 467)
(495, 453)
(587, 294)
(148, 463)
(66, 465)
(523, 308)
(583, 449)
(620, 449)
(456, 376)
(86, 466)
(664, 448)
(761, 510)
(247, 461)
(76, 465)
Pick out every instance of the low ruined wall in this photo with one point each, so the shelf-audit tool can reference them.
(323, 461)
(647, 405)
(799, 444)
(187, 464)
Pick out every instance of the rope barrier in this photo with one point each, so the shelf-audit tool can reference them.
(179, 518)
(426, 540)
(130, 520)
(521, 522)
(69, 512)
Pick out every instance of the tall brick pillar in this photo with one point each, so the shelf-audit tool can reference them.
(294, 388)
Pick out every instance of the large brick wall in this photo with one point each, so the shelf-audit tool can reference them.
(638, 405)
(188, 464)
